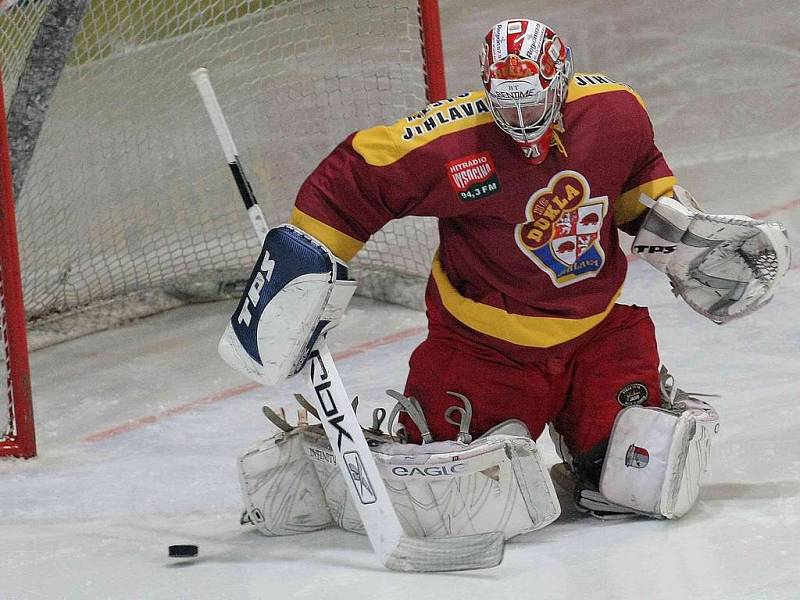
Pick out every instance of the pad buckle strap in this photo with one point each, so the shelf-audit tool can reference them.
(675, 399)
(464, 420)
(412, 408)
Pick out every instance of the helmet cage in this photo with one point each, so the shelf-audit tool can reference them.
(549, 100)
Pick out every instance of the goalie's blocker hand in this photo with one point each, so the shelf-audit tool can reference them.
(723, 266)
(298, 290)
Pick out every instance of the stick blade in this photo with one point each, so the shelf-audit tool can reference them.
(479, 551)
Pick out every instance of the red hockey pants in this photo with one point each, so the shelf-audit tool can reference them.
(581, 393)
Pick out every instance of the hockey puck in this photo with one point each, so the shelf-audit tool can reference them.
(183, 551)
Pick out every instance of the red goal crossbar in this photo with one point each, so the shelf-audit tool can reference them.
(17, 437)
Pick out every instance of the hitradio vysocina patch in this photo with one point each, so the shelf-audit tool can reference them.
(562, 232)
(473, 177)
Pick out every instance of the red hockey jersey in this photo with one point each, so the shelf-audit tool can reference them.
(529, 255)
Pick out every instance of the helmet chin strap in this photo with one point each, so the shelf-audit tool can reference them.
(537, 152)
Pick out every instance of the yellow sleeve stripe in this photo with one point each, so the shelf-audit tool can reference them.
(628, 207)
(538, 332)
(588, 84)
(376, 146)
(384, 145)
(342, 245)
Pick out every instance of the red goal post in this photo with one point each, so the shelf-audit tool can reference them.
(432, 52)
(17, 436)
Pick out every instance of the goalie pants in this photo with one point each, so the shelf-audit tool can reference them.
(580, 391)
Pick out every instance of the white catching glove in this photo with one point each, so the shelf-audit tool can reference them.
(723, 266)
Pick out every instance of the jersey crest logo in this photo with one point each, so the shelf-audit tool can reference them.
(562, 232)
(473, 177)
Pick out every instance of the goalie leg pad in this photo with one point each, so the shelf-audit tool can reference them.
(447, 489)
(656, 458)
(280, 489)
(318, 452)
(298, 290)
(497, 483)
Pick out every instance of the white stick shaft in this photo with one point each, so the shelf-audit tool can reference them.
(214, 110)
(258, 221)
(353, 456)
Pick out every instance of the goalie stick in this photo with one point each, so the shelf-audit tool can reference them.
(367, 490)
(203, 83)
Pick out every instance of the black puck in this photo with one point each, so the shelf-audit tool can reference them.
(183, 551)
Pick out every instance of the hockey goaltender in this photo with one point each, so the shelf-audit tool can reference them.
(531, 178)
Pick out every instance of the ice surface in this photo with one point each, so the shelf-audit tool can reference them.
(139, 427)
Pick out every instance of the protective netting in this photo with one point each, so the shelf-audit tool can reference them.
(17, 30)
(128, 189)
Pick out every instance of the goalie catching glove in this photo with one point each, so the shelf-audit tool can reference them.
(723, 266)
(298, 291)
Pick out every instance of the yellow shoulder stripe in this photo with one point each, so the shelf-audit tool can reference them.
(538, 332)
(342, 245)
(588, 84)
(627, 207)
(386, 144)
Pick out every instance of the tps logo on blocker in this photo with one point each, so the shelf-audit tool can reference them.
(263, 276)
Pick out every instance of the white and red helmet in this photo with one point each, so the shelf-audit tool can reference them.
(526, 68)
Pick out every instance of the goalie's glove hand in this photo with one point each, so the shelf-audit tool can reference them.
(723, 266)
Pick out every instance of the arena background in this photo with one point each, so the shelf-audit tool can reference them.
(138, 427)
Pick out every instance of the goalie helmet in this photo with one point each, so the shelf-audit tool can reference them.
(526, 68)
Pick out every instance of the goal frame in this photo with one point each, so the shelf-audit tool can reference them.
(22, 441)
(432, 51)
(15, 156)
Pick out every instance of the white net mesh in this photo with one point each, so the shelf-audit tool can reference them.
(17, 30)
(128, 188)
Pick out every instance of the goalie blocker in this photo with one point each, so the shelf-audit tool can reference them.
(297, 291)
(723, 266)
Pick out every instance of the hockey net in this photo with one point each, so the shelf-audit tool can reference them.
(126, 205)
